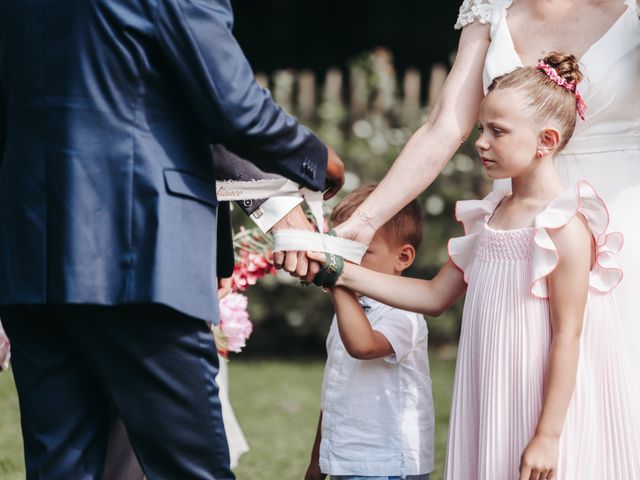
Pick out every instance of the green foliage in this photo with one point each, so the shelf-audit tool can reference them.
(11, 458)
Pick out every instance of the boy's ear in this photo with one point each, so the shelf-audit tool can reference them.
(406, 256)
(549, 140)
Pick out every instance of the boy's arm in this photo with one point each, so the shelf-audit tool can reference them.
(359, 338)
(568, 285)
(429, 297)
(313, 470)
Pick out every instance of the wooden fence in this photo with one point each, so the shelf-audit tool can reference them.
(371, 88)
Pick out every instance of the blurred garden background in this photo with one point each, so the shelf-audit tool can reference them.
(363, 74)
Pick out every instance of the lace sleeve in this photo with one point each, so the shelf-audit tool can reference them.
(479, 10)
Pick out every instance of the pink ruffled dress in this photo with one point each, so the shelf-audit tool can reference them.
(504, 345)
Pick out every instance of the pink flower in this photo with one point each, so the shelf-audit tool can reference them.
(5, 351)
(234, 321)
(249, 268)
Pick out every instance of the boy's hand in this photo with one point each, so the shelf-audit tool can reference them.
(313, 472)
(539, 460)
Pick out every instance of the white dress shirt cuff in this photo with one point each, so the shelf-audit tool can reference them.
(273, 210)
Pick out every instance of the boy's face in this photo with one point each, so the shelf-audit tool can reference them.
(509, 135)
(381, 256)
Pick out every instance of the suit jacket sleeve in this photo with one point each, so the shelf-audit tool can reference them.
(230, 166)
(3, 123)
(264, 213)
(195, 36)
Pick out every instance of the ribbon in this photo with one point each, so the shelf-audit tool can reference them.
(292, 240)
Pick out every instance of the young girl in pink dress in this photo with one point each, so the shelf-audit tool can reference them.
(543, 387)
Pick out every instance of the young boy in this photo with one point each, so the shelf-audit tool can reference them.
(377, 420)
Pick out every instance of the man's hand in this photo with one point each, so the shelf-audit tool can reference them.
(295, 262)
(224, 287)
(313, 472)
(335, 174)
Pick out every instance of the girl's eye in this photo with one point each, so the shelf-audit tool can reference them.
(480, 128)
(497, 131)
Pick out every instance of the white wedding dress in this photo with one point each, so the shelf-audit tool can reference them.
(605, 149)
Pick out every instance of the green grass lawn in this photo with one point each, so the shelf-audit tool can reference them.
(276, 402)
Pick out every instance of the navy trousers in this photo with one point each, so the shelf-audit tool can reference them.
(154, 364)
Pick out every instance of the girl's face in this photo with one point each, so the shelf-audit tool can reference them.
(509, 136)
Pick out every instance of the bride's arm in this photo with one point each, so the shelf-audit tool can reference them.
(433, 144)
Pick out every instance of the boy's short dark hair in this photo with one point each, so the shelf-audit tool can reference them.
(404, 227)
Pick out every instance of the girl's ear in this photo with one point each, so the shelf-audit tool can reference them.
(549, 140)
(406, 254)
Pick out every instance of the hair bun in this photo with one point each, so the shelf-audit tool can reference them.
(566, 65)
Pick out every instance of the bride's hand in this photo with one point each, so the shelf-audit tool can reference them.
(355, 229)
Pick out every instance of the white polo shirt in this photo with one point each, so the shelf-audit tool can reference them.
(377, 415)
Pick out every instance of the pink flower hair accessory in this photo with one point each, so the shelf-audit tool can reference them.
(553, 74)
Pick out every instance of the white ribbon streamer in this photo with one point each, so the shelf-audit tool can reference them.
(292, 240)
(288, 240)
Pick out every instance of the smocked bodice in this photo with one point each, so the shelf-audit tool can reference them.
(505, 245)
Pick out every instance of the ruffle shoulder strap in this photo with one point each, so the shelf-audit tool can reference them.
(483, 11)
(473, 214)
(580, 199)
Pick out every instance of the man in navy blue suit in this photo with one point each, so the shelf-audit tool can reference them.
(107, 221)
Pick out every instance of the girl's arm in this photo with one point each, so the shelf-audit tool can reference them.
(358, 337)
(429, 297)
(568, 285)
(433, 144)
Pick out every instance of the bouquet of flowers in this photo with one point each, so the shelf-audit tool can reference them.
(253, 257)
(5, 350)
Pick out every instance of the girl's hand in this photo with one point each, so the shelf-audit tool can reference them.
(539, 460)
(319, 257)
(332, 268)
(316, 258)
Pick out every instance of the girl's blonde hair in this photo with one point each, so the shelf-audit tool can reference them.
(547, 98)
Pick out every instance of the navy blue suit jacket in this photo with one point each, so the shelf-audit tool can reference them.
(107, 112)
